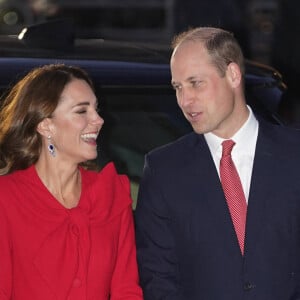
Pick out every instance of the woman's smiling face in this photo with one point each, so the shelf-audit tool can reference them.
(75, 123)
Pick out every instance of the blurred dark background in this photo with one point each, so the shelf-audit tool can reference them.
(268, 30)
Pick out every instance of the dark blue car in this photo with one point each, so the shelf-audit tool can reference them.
(133, 86)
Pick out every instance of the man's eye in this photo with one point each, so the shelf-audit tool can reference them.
(195, 83)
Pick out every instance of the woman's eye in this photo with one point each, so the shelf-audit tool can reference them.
(81, 111)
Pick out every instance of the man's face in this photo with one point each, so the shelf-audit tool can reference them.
(206, 98)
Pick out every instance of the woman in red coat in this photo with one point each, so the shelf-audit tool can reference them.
(66, 232)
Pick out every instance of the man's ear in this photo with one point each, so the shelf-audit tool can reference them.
(234, 74)
(43, 127)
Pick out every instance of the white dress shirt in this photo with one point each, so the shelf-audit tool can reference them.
(242, 152)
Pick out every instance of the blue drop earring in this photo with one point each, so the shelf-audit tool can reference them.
(51, 147)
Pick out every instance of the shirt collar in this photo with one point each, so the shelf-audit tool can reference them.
(246, 135)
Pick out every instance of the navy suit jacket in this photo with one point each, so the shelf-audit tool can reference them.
(186, 244)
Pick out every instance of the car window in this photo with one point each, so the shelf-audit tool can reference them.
(137, 120)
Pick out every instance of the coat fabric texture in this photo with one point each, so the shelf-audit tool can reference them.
(50, 252)
(186, 244)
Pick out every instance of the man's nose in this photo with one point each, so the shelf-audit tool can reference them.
(185, 98)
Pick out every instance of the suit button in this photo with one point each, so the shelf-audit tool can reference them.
(248, 286)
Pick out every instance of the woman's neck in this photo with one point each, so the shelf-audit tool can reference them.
(62, 181)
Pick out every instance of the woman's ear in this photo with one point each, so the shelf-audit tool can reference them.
(234, 74)
(43, 127)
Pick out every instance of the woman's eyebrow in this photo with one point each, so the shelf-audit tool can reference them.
(82, 104)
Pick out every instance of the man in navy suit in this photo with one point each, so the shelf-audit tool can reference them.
(186, 240)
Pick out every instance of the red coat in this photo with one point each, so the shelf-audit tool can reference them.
(50, 252)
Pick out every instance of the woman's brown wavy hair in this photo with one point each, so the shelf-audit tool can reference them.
(31, 100)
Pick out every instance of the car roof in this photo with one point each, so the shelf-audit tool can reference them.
(23, 55)
(56, 39)
(108, 59)
(108, 62)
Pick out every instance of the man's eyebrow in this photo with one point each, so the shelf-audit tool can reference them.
(191, 78)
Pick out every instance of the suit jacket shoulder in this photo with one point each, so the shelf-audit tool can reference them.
(179, 153)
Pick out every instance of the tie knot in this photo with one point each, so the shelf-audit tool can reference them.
(227, 147)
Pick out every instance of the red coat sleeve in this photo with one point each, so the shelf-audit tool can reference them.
(125, 280)
(5, 258)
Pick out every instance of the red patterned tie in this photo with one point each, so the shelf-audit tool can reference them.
(233, 191)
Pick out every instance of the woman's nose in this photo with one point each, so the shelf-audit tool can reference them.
(97, 119)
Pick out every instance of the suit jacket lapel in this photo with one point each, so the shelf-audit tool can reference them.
(216, 202)
(261, 184)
